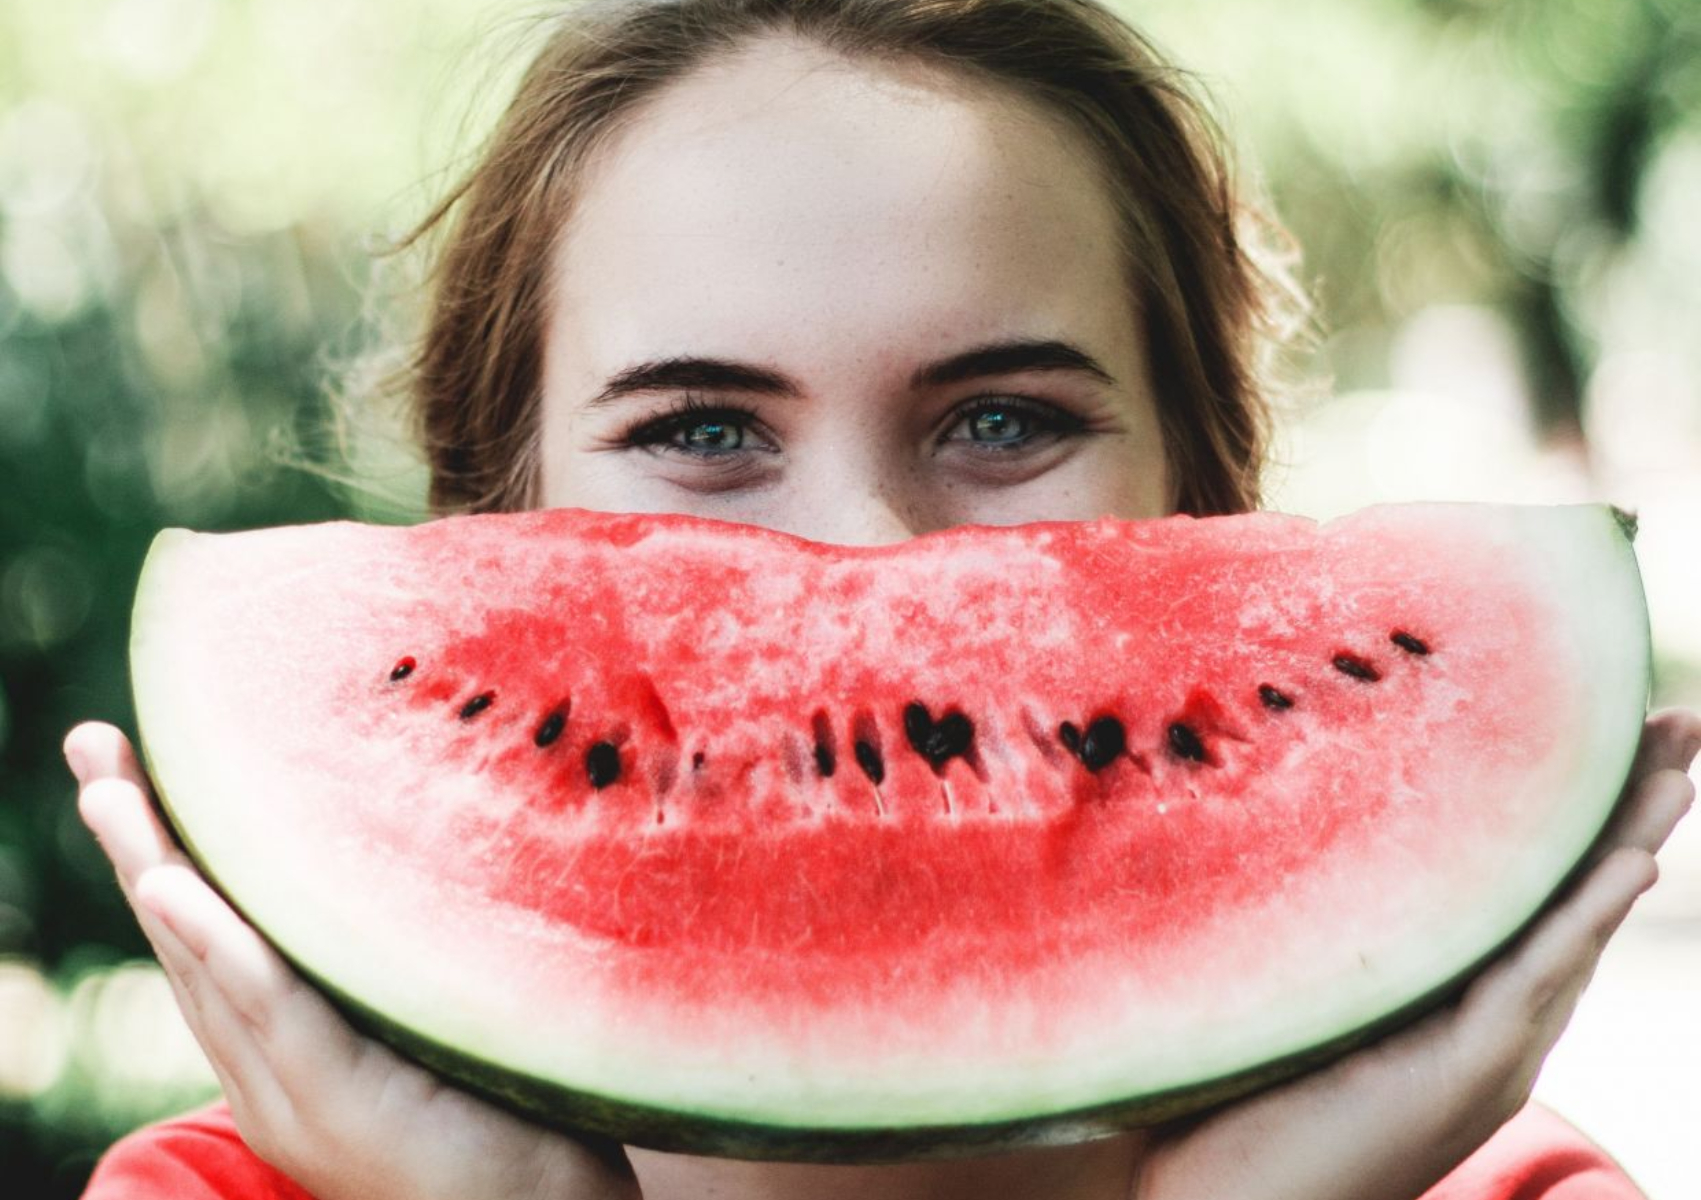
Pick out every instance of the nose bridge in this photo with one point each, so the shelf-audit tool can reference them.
(858, 474)
(866, 516)
(854, 506)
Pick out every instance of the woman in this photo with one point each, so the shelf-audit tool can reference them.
(855, 269)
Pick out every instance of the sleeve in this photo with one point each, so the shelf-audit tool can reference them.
(1537, 1155)
(199, 1156)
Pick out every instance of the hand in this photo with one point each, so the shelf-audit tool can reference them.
(1390, 1120)
(340, 1114)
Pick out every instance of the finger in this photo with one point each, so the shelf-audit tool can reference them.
(1648, 813)
(246, 970)
(1670, 738)
(304, 1041)
(1658, 804)
(96, 750)
(1538, 983)
(233, 988)
(115, 801)
(222, 1036)
(117, 811)
(1511, 1015)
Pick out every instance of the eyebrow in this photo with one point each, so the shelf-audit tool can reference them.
(719, 374)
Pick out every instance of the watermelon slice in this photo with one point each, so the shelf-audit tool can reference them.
(709, 838)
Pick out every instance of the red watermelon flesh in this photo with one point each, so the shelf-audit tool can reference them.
(710, 837)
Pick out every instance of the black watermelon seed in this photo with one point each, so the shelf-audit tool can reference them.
(551, 728)
(868, 758)
(602, 764)
(1272, 698)
(951, 737)
(1070, 737)
(1186, 743)
(476, 705)
(697, 760)
(937, 741)
(917, 723)
(403, 668)
(826, 758)
(1104, 741)
(1408, 643)
(1358, 668)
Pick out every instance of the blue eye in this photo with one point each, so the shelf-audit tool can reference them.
(997, 427)
(1011, 423)
(697, 430)
(992, 425)
(710, 437)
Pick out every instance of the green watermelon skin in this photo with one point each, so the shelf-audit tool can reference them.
(726, 949)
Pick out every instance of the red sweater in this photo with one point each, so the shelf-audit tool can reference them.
(1537, 1156)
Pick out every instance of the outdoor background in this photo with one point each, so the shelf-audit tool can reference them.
(1498, 200)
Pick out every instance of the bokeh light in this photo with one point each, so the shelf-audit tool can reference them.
(32, 1013)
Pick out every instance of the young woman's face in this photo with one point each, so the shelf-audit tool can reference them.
(852, 302)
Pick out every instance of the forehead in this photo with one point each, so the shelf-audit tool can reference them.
(786, 200)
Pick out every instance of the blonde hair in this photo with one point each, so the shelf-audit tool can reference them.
(1212, 308)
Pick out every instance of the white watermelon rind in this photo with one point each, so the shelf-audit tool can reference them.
(641, 1104)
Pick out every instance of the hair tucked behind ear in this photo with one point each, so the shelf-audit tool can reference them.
(1213, 312)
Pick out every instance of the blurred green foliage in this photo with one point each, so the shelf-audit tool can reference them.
(105, 463)
(187, 189)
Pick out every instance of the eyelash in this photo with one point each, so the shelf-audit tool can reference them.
(693, 409)
(657, 433)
